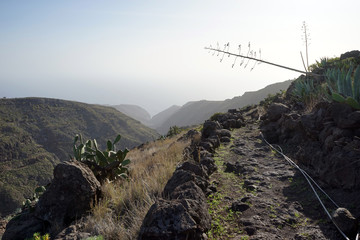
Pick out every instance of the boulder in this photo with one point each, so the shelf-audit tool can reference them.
(194, 167)
(182, 176)
(209, 128)
(71, 194)
(275, 110)
(23, 226)
(188, 190)
(175, 219)
(354, 53)
(73, 191)
(352, 120)
(346, 222)
(209, 164)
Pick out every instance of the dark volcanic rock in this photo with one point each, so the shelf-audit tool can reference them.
(23, 226)
(196, 168)
(180, 177)
(239, 206)
(71, 194)
(176, 219)
(275, 111)
(209, 128)
(188, 190)
(209, 164)
(346, 222)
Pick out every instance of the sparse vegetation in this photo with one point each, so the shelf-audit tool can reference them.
(120, 213)
(37, 133)
(173, 131)
(345, 85)
(342, 83)
(106, 165)
(38, 236)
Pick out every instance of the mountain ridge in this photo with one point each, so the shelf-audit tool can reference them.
(195, 112)
(37, 133)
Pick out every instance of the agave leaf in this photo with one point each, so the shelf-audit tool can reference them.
(356, 84)
(352, 102)
(337, 97)
(348, 83)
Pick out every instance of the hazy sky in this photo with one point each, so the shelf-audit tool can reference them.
(151, 53)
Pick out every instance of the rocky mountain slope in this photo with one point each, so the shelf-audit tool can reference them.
(37, 133)
(197, 112)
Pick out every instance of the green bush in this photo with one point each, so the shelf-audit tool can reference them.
(174, 130)
(38, 236)
(108, 164)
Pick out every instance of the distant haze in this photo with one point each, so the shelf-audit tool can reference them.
(151, 53)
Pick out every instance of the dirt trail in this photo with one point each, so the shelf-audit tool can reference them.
(258, 195)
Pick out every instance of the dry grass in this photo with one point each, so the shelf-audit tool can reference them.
(120, 213)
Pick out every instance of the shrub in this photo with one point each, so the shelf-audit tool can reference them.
(108, 164)
(174, 130)
(38, 236)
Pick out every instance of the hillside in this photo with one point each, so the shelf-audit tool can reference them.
(197, 112)
(37, 133)
(134, 111)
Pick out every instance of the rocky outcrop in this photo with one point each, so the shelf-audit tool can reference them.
(326, 140)
(182, 213)
(73, 191)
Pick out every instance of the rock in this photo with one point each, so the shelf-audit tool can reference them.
(188, 190)
(346, 222)
(72, 232)
(354, 53)
(214, 140)
(209, 128)
(180, 177)
(225, 140)
(23, 226)
(275, 110)
(223, 133)
(196, 168)
(239, 206)
(208, 146)
(313, 123)
(350, 121)
(73, 191)
(176, 219)
(209, 164)
(71, 194)
(340, 112)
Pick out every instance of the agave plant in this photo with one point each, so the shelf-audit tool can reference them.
(344, 85)
(108, 164)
